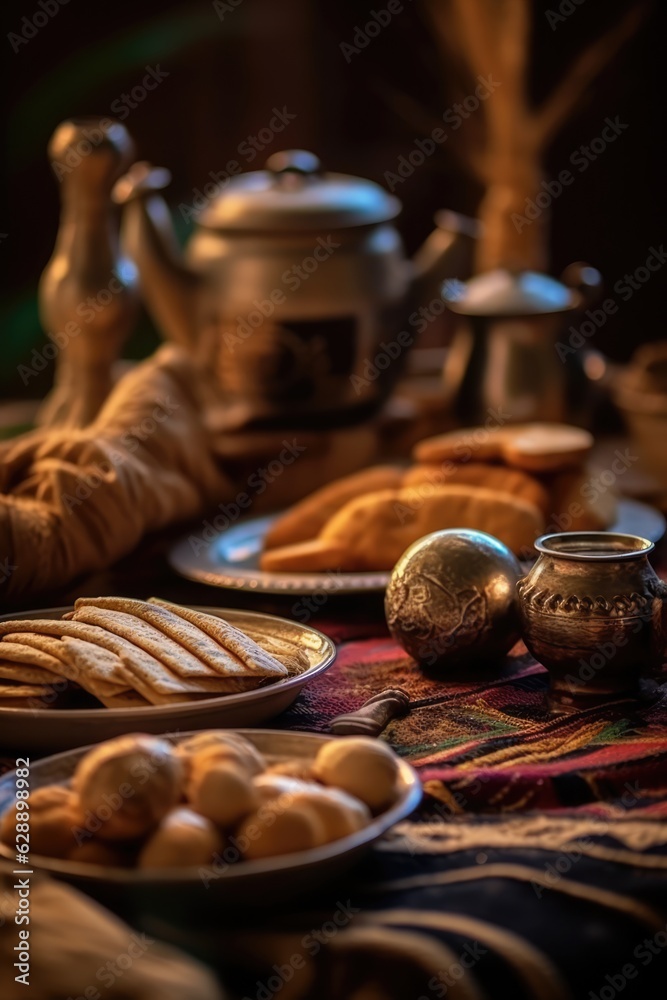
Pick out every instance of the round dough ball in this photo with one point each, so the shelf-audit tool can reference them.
(366, 768)
(100, 852)
(221, 791)
(182, 839)
(301, 769)
(274, 830)
(223, 745)
(129, 784)
(54, 817)
(340, 814)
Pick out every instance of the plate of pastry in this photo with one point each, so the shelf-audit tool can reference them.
(230, 817)
(514, 482)
(113, 665)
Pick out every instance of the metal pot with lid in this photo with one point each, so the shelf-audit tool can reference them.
(294, 289)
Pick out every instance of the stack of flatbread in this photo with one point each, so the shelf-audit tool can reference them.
(131, 653)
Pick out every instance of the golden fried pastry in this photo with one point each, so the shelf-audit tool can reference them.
(55, 816)
(373, 531)
(305, 519)
(534, 447)
(280, 827)
(493, 477)
(129, 784)
(313, 556)
(183, 839)
(377, 528)
(367, 769)
(221, 791)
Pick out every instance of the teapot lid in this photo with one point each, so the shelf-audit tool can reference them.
(507, 293)
(292, 193)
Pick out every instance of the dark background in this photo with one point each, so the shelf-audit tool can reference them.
(225, 77)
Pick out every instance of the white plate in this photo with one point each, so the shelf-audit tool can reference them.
(49, 729)
(231, 559)
(245, 882)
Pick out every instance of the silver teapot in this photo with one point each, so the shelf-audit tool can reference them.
(294, 290)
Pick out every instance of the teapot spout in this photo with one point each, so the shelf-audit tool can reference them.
(447, 253)
(168, 288)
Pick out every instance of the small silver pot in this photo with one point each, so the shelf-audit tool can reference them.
(593, 612)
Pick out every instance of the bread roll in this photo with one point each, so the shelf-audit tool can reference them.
(222, 745)
(376, 529)
(340, 814)
(183, 839)
(55, 817)
(367, 769)
(280, 828)
(534, 447)
(129, 784)
(493, 477)
(221, 791)
(305, 519)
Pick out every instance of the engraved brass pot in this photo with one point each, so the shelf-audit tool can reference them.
(593, 612)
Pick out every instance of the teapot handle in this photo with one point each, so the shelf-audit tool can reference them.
(583, 279)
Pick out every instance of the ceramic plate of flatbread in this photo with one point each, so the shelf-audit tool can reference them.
(203, 684)
(231, 559)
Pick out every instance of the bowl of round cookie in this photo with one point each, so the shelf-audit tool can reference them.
(112, 665)
(211, 818)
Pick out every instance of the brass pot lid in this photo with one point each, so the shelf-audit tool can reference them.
(293, 193)
(507, 293)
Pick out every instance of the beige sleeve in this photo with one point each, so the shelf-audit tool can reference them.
(73, 502)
